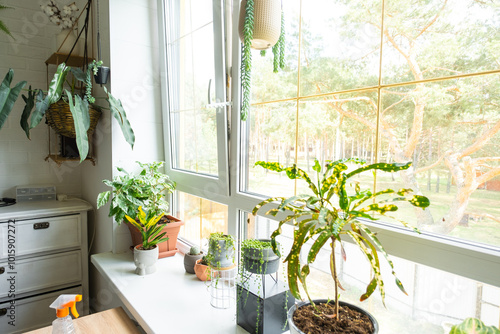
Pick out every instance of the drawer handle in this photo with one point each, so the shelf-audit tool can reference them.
(3, 311)
(41, 226)
(2, 270)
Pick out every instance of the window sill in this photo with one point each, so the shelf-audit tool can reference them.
(169, 300)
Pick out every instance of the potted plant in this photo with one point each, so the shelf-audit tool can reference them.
(190, 259)
(473, 325)
(202, 269)
(65, 110)
(258, 257)
(220, 250)
(146, 253)
(322, 216)
(261, 26)
(147, 188)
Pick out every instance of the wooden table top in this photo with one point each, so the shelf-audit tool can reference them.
(114, 321)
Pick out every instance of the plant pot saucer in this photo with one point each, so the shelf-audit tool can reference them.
(168, 253)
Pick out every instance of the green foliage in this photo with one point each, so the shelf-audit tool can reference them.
(41, 102)
(194, 250)
(215, 251)
(147, 189)
(246, 59)
(149, 228)
(473, 326)
(3, 27)
(330, 211)
(246, 56)
(8, 95)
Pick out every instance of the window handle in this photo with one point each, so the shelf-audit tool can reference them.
(216, 104)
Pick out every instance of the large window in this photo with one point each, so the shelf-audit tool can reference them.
(383, 80)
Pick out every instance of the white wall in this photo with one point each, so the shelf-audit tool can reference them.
(130, 37)
(21, 160)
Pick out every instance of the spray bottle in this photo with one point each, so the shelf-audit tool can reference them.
(64, 323)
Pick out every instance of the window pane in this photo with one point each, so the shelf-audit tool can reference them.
(191, 69)
(451, 131)
(201, 217)
(436, 299)
(271, 138)
(340, 49)
(429, 39)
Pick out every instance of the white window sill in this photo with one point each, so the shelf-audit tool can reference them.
(168, 301)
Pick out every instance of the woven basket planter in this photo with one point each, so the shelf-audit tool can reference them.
(267, 23)
(60, 119)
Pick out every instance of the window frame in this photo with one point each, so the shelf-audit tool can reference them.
(461, 257)
(199, 184)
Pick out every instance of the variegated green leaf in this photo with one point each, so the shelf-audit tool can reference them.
(392, 167)
(473, 326)
(419, 201)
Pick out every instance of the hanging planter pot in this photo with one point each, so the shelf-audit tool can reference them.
(102, 75)
(267, 23)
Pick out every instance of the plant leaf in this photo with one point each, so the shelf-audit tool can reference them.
(120, 115)
(103, 198)
(41, 106)
(30, 103)
(56, 85)
(8, 96)
(81, 118)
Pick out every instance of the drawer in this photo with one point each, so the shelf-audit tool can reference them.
(41, 273)
(33, 313)
(33, 236)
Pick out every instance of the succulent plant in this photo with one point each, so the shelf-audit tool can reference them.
(194, 250)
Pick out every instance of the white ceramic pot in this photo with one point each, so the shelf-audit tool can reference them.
(145, 260)
(64, 44)
(267, 23)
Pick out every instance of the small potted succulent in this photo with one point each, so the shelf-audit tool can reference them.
(146, 253)
(191, 258)
(322, 216)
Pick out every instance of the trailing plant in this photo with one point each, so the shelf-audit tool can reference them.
(38, 102)
(215, 249)
(475, 326)
(147, 188)
(246, 55)
(250, 250)
(329, 211)
(149, 228)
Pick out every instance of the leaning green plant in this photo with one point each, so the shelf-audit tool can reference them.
(147, 188)
(328, 211)
(149, 228)
(473, 325)
(38, 102)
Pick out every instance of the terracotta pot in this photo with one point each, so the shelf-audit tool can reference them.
(190, 261)
(295, 330)
(167, 248)
(202, 271)
(145, 260)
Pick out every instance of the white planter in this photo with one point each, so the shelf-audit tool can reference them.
(64, 44)
(267, 23)
(145, 260)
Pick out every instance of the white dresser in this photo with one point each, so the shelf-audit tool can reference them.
(43, 253)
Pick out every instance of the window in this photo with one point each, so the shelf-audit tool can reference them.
(425, 88)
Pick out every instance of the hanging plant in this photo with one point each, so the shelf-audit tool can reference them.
(261, 26)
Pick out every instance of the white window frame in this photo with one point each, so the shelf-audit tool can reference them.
(198, 184)
(461, 257)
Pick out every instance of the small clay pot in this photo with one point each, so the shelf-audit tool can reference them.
(202, 271)
(190, 261)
